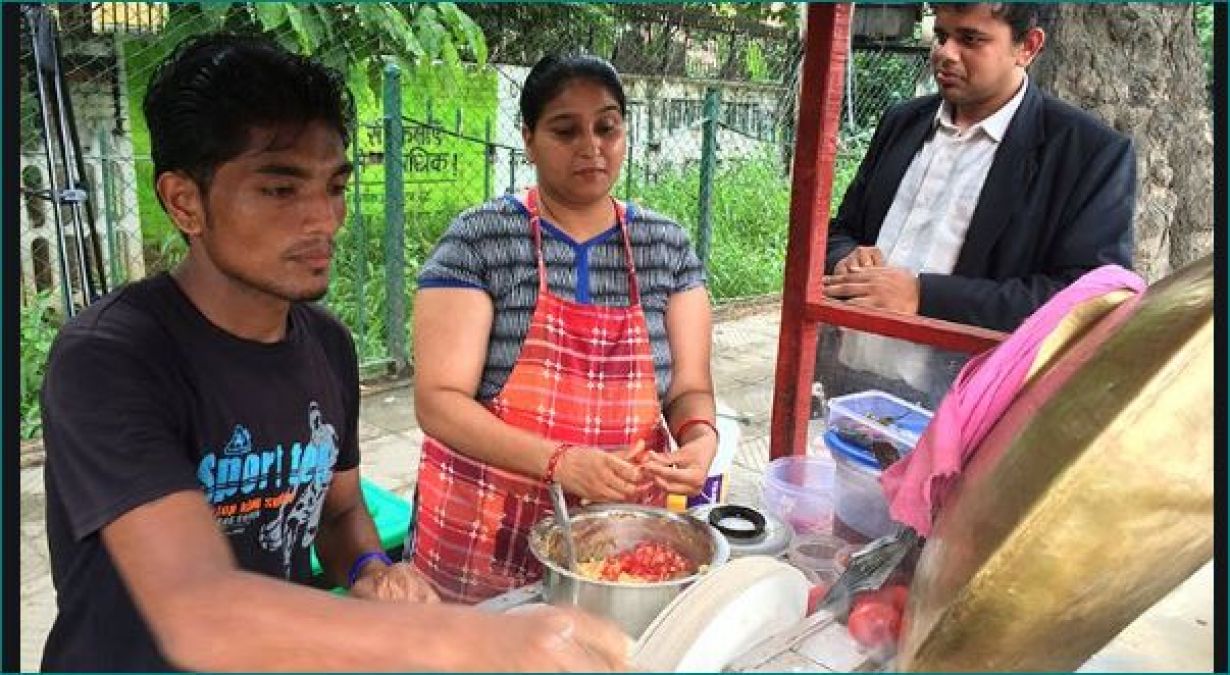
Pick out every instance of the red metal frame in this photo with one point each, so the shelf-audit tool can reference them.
(804, 306)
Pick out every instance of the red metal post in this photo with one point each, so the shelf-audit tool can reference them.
(819, 113)
(957, 337)
(804, 307)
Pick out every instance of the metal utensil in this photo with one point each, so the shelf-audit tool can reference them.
(565, 525)
(869, 568)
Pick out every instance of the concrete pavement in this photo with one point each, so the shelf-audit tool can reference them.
(1176, 635)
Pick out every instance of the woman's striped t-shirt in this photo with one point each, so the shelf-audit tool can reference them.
(490, 247)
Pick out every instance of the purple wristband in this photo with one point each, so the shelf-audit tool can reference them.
(361, 561)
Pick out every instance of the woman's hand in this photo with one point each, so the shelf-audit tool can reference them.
(598, 476)
(684, 471)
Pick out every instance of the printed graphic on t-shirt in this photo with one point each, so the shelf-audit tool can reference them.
(279, 489)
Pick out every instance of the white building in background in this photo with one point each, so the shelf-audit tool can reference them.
(95, 80)
(664, 124)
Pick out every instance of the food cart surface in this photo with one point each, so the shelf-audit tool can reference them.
(1175, 635)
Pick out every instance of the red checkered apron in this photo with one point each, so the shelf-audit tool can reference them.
(585, 376)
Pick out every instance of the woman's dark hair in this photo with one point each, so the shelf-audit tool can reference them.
(549, 76)
(207, 97)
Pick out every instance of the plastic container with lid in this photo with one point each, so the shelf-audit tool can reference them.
(870, 416)
(858, 499)
(799, 490)
(748, 531)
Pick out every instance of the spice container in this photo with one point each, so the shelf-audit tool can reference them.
(874, 416)
(748, 531)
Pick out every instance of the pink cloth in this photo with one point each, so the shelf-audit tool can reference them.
(917, 485)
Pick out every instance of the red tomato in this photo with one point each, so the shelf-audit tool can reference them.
(895, 595)
(863, 598)
(815, 596)
(874, 623)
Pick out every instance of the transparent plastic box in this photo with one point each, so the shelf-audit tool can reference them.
(870, 416)
(799, 491)
(858, 500)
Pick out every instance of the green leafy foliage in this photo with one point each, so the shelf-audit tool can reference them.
(1203, 20)
(756, 41)
(352, 31)
(757, 68)
(357, 37)
(39, 323)
(882, 81)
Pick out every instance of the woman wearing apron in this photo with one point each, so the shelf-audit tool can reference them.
(560, 336)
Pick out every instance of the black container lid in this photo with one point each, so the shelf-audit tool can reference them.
(749, 531)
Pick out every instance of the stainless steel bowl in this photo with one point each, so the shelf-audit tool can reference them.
(612, 528)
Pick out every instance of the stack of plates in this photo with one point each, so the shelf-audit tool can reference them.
(722, 615)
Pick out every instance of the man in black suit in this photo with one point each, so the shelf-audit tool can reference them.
(978, 204)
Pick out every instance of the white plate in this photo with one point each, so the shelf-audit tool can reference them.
(731, 609)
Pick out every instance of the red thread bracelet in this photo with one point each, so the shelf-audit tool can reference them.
(693, 422)
(553, 462)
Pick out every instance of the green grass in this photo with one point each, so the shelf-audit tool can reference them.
(750, 218)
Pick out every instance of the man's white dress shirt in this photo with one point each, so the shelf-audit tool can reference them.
(926, 225)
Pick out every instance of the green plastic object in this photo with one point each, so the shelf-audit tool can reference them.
(392, 515)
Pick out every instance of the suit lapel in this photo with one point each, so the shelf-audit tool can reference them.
(897, 157)
(1005, 185)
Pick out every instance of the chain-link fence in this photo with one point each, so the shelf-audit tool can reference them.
(711, 106)
(878, 76)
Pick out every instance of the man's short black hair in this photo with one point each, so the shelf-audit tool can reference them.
(205, 100)
(1020, 16)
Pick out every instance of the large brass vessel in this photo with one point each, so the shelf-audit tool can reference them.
(1090, 499)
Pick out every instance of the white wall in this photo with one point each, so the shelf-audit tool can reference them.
(676, 106)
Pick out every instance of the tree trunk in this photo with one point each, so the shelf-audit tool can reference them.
(1139, 68)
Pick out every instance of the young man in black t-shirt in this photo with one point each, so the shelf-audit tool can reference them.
(201, 426)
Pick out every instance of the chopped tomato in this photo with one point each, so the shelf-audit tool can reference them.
(648, 561)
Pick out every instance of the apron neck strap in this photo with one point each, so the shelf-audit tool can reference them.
(532, 203)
